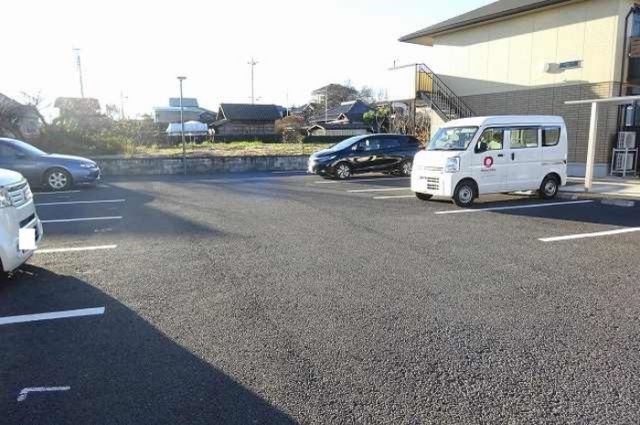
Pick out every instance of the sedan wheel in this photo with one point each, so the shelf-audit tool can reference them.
(343, 171)
(58, 180)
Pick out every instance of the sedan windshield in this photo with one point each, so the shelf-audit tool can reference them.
(27, 148)
(452, 139)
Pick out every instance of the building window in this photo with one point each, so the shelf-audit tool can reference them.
(635, 27)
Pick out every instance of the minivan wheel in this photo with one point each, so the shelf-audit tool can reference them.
(549, 187)
(464, 194)
(405, 168)
(343, 171)
(57, 179)
(423, 196)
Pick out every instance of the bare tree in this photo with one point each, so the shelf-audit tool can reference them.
(37, 103)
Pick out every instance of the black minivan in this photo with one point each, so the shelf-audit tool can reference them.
(392, 153)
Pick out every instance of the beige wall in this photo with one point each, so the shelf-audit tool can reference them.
(510, 54)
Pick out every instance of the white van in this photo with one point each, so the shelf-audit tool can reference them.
(470, 157)
(17, 211)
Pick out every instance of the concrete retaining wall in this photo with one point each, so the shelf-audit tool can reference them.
(204, 165)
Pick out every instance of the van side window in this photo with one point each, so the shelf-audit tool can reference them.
(492, 139)
(522, 138)
(550, 136)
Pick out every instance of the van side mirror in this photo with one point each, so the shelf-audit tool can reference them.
(481, 147)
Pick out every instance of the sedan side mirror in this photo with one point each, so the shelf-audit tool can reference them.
(21, 155)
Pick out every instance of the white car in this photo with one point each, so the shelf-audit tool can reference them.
(470, 157)
(17, 211)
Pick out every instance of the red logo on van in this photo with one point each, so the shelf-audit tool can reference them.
(488, 162)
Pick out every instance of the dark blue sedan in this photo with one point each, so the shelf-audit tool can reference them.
(50, 170)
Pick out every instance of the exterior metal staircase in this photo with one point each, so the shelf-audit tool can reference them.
(431, 89)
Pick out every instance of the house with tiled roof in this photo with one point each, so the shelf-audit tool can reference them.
(346, 112)
(246, 119)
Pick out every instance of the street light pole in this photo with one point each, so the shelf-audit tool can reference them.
(184, 147)
(253, 63)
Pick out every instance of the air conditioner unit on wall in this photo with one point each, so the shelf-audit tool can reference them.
(626, 140)
(624, 162)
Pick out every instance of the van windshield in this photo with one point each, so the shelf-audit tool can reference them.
(452, 139)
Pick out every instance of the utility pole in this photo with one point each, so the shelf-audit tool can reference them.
(253, 63)
(79, 66)
(184, 147)
(326, 103)
(122, 98)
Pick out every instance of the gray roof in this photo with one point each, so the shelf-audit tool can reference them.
(496, 10)
(248, 112)
(186, 101)
(352, 110)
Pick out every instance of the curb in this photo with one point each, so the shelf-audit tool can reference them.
(605, 199)
(618, 202)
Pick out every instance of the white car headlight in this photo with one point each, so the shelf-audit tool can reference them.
(452, 165)
(87, 165)
(5, 200)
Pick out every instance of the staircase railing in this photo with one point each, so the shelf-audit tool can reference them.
(442, 98)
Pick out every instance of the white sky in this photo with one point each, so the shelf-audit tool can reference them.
(140, 46)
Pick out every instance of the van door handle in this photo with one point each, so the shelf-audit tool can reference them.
(513, 156)
(500, 155)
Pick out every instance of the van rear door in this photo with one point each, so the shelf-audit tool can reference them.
(524, 157)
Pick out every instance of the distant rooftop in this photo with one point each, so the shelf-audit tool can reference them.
(191, 102)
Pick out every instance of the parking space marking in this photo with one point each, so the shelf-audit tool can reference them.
(23, 394)
(104, 201)
(56, 193)
(514, 207)
(76, 249)
(380, 179)
(9, 320)
(71, 220)
(395, 197)
(390, 189)
(590, 235)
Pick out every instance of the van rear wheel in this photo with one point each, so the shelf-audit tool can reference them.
(464, 194)
(549, 187)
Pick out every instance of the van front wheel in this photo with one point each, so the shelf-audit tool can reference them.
(464, 194)
(423, 196)
(549, 187)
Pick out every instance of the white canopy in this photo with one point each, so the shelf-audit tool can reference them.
(191, 128)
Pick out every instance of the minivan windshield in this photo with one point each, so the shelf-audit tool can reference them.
(345, 143)
(452, 139)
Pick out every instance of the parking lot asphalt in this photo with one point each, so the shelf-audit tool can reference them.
(286, 298)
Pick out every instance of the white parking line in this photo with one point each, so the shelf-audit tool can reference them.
(70, 220)
(380, 179)
(514, 207)
(391, 189)
(395, 197)
(56, 193)
(23, 394)
(104, 201)
(590, 235)
(76, 249)
(51, 316)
